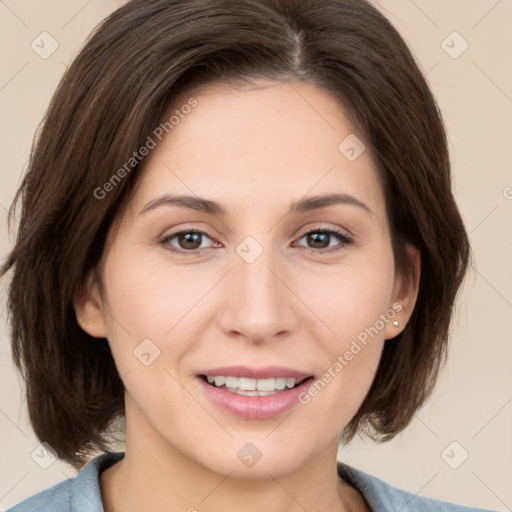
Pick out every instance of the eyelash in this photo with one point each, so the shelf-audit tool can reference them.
(344, 239)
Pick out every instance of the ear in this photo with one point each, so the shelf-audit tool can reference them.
(89, 308)
(405, 293)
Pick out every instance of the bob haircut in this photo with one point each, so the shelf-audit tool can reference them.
(115, 94)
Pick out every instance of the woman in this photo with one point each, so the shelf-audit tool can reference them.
(237, 232)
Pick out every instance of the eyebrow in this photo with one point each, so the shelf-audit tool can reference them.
(211, 207)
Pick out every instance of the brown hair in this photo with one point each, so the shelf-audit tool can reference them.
(114, 95)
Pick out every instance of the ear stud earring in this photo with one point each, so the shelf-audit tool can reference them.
(396, 323)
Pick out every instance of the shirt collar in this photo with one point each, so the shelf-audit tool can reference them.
(86, 494)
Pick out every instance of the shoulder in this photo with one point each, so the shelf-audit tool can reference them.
(382, 496)
(80, 493)
(56, 499)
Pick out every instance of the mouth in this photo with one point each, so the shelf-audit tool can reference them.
(247, 386)
(255, 394)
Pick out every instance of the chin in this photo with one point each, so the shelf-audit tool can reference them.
(257, 459)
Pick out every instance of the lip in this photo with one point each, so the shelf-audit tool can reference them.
(256, 373)
(254, 407)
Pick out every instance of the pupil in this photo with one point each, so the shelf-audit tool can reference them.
(190, 238)
(319, 239)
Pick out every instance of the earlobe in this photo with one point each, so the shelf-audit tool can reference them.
(89, 310)
(405, 294)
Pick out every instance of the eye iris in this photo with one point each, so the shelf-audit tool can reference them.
(319, 238)
(189, 238)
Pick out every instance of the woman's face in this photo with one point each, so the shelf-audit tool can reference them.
(250, 278)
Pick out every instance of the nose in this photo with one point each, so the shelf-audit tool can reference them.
(258, 304)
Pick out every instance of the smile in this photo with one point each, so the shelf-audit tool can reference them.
(254, 393)
(253, 387)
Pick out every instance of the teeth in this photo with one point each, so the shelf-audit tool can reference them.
(280, 382)
(252, 387)
(231, 382)
(243, 384)
(266, 385)
(250, 393)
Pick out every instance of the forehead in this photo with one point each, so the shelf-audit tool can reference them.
(262, 141)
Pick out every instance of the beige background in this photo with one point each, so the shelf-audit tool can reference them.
(473, 402)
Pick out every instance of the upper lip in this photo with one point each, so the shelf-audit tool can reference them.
(266, 372)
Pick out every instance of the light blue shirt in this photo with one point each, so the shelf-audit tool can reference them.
(82, 493)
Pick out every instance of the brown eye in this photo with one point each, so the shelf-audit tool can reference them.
(318, 240)
(321, 239)
(189, 240)
(186, 242)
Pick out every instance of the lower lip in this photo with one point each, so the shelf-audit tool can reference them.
(254, 407)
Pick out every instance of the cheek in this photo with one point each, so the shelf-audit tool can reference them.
(151, 300)
(354, 306)
(351, 351)
(156, 317)
(352, 298)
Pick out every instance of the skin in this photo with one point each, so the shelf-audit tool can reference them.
(253, 149)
